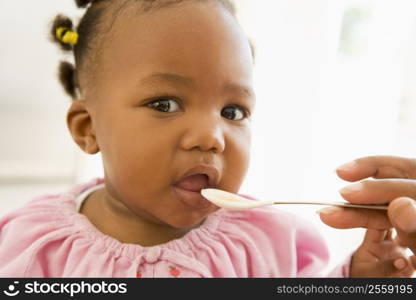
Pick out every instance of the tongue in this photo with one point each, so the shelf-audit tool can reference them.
(194, 183)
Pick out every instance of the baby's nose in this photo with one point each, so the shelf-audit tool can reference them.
(205, 134)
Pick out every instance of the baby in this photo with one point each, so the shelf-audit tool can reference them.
(163, 89)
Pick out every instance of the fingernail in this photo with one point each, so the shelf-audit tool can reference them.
(400, 263)
(406, 216)
(329, 210)
(347, 167)
(352, 188)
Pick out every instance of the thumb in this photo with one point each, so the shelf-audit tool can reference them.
(402, 215)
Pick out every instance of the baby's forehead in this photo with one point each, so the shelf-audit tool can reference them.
(131, 9)
(166, 33)
(180, 42)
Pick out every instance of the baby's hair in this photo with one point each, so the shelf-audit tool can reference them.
(84, 41)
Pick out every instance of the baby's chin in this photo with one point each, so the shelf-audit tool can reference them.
(191, 221)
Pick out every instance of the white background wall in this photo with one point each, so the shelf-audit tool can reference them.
(317, 105)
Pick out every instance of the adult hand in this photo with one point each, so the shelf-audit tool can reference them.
(393, 183)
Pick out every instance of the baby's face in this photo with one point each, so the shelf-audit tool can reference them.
(176, 85)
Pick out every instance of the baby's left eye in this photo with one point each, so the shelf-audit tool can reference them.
(234, 113)
(164, 105)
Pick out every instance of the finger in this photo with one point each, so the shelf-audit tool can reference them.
(381, 191)
(378, 167)
(375, 235)
(343, 218)
(402, 214)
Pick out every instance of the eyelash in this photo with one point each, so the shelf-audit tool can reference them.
(245, 112)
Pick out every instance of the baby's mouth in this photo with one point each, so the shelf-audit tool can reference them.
(193, 183)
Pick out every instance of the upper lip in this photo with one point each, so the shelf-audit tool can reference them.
(211, 171)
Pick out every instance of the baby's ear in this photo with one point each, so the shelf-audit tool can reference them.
(80, 125)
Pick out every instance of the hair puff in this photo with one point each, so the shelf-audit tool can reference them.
(67, 78)
(61, 21)
(83, 3)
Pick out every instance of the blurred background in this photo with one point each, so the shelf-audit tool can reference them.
(334, 82)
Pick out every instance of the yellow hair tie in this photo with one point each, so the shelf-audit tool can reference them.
(66, 35)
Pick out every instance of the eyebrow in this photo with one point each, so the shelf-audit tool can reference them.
(188, 81)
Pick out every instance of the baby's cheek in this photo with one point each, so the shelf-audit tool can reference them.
(242, 148)
(237, 163)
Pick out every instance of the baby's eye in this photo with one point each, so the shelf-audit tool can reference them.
(234, 113)
(165, 105)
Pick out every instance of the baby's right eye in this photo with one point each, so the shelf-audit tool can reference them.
(164, 105)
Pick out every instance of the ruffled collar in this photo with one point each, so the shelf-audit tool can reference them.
(83, 225)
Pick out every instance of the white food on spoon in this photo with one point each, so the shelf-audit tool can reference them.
(229, 200)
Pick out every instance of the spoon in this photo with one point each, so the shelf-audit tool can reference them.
(232, 201)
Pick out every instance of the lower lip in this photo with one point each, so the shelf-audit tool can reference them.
(192, 199)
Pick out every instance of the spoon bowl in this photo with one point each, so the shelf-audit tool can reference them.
(229, 200)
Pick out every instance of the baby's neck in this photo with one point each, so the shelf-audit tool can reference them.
(122, 225)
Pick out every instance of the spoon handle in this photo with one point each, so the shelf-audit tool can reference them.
(341, 204)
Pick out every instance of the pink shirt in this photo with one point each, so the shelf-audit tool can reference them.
(47, 237)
